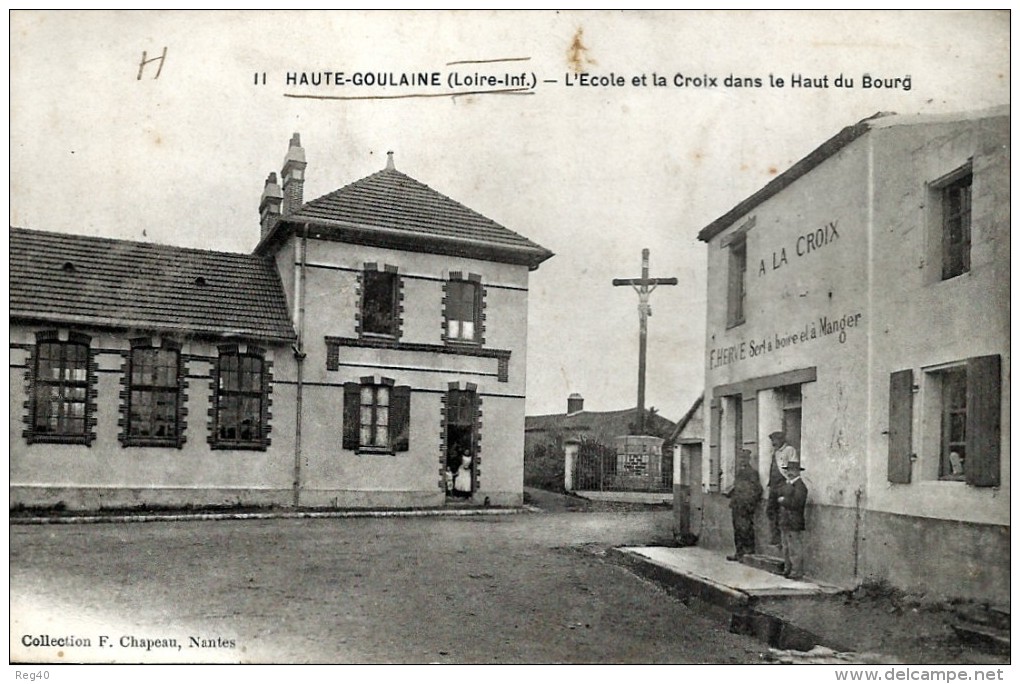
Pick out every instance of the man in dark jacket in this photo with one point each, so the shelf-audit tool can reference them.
(792, 502)
(782, 454)
(744, 497)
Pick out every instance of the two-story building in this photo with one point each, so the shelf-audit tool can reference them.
(370, 352)
(860, 303)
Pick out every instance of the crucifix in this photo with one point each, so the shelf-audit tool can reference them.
(644, 286)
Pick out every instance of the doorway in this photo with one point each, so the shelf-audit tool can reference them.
(688, 503)
(791, 404)
(461, 443)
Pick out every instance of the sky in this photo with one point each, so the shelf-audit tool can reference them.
(594, 173)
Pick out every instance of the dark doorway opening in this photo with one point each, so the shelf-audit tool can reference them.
(461, 443)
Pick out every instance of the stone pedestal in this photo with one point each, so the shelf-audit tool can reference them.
(638, 461)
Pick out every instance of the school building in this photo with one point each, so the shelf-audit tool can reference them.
(370, 352)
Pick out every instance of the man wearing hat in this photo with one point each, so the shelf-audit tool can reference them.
(744, 497)
(782, 455)
(792, 502)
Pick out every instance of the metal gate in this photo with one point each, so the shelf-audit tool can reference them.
(596, 469)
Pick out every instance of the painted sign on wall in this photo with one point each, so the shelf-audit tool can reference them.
(806, 243)
(821, 328)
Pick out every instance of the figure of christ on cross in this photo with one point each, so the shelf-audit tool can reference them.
(644, 287)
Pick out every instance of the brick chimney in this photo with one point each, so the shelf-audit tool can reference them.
(575, 403)
(294, 176)
(270, 206)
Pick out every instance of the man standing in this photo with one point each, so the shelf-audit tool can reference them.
(782, 455)
(792, 502)
(744, 497)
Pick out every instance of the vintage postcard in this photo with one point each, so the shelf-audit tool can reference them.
(310, 310)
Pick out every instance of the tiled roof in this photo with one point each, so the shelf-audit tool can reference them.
(392, 201)
(58, 277)
(603, 425)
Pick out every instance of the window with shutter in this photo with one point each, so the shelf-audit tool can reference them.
(962, 421)
(376, 416)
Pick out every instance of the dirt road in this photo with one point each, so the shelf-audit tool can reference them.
(525, 588)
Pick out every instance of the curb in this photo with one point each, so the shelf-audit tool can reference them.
(748, 615)
(700, 587)
(281, 515)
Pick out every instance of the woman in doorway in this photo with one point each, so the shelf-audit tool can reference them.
(462, 478)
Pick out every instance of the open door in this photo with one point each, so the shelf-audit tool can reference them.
(687, 502)
(461, 443)
(791, 415)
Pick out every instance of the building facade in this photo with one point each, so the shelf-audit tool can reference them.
(860, 303)
(369, 353)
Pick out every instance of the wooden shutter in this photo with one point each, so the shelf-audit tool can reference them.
(901, 421)
(400, 417)
(983, 418)
(714, 445)
(352, 415)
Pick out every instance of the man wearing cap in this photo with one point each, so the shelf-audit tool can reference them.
(792, 502)
(782, 455)
(744, 497)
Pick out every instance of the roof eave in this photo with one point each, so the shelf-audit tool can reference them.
(393, 238)
(821, 153)
(113, 324)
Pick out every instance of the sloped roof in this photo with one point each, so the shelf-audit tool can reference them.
(829, 148)
(603, 425)
(76, 279)
(390, 204)
(687, 418)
